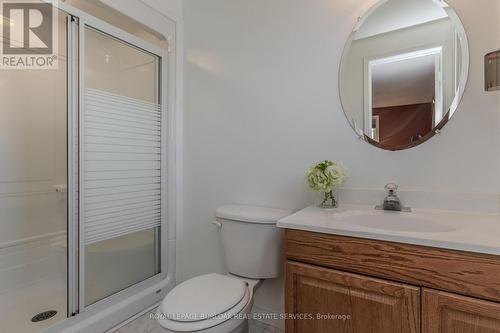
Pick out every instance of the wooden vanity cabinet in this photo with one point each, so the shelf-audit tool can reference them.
(387, 287)
(335, 301)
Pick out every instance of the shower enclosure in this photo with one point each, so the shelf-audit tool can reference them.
(82, 174)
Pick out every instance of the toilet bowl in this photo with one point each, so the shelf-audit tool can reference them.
(216, 303)
(211, 303)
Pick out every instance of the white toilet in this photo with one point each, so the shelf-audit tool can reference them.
(215, 303)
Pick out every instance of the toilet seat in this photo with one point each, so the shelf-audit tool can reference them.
(203, 302)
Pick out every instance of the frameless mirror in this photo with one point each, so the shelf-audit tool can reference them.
(403, 72)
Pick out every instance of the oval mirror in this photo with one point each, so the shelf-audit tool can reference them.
(403, 72)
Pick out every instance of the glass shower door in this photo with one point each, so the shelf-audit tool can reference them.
(33, 185)
(82, 168)
(120, 169)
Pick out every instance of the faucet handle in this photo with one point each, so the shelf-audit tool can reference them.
(391, 187)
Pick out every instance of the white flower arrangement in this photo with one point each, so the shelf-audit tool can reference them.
(324, 177)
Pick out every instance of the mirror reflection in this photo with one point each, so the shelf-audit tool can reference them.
(403, 72)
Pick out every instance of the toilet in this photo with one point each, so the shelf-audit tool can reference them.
(217, 303)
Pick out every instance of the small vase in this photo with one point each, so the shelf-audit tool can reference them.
(329, 201)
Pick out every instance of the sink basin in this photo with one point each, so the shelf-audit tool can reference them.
(396, 222)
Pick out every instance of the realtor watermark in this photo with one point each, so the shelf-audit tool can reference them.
(254, 316)
(29, 31)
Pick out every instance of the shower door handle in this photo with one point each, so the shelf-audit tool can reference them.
(217, 224)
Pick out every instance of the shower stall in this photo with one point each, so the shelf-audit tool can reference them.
(83, 169)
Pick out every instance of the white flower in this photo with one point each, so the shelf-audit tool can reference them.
(325, 176)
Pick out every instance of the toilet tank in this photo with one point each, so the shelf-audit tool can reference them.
(253, 245)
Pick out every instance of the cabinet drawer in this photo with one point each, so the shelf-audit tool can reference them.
(456, 271)
(334, 301)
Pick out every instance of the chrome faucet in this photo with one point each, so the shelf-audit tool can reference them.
(392, 201)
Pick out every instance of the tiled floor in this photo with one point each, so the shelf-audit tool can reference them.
(255, 326)
(145, 324)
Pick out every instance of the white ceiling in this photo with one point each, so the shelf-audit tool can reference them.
(400, 14)
(404, 82)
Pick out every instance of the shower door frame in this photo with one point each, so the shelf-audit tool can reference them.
(76, 250)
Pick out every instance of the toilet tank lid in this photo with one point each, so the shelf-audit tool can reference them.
(251, 214)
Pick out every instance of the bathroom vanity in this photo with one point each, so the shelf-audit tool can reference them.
(356, 270)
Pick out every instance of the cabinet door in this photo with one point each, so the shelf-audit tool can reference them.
(323, 300)
(449, 313)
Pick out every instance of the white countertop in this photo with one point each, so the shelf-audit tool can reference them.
(450, 230)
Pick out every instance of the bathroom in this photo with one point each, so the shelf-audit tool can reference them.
(251, 95)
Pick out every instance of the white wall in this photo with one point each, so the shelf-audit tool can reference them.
(162, 16)
(170, 8)
(497, 47)
(262, 104)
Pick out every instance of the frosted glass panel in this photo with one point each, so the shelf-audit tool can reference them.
(115, 264)
(121, 174)
(122, 165)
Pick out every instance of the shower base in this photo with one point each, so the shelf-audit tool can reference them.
(17, 307)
